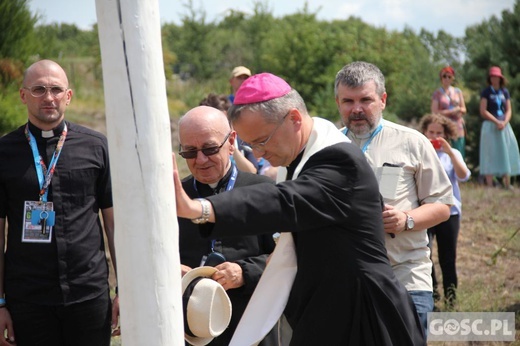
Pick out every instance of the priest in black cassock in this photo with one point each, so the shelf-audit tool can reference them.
(342, 290)
(207, 143)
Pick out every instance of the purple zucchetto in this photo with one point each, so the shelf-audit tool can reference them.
(261, 87)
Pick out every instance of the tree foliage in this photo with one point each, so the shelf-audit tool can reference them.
(17, 43)
(17, 38)
(307, 52)
(67, 40)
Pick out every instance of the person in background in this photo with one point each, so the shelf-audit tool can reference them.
(238, 75)
(222, 103)
(499, 153)
(328, 202)
(207, 143)
(54, 181)
(449, 102)
(265, 168)
(416, 190)
(439, 130)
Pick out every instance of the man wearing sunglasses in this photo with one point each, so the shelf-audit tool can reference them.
(330, 260)
(207, 144)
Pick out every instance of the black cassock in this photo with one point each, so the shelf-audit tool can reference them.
(344, 292)
(248, 251)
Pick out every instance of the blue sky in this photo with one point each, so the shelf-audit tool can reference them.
(452, 16)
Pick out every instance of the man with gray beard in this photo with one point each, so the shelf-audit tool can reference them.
(416, 190)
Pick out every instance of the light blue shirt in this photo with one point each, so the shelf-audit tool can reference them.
(456, 208)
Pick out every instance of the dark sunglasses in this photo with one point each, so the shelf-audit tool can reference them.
(191, 154)
(447, 76)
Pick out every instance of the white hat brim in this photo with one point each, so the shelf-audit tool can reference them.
(206, 272)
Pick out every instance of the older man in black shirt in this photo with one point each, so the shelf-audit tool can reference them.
(54, 179)
(207, 144)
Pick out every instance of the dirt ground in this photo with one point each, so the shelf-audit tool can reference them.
(488, 259)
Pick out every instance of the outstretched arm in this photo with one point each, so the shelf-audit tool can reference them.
(186, 207)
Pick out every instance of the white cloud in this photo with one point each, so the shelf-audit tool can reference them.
(452, 16)
(349, 9)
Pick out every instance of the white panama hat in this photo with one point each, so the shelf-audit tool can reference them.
(206, 306)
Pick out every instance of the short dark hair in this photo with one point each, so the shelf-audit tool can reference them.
(217, 101)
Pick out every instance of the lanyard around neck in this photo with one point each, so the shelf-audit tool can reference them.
(231, 182)
(367, 143)
(45, 174)
(498, 100)
(230, 185)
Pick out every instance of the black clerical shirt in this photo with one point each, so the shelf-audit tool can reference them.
(250, 252)
(73, 267)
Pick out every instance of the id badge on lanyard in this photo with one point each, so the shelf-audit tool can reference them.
(39, 218)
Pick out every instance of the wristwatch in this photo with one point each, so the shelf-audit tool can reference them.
(205, 211)
(410, 223)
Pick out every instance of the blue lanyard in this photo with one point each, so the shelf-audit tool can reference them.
(45, 174)
(231, 182)
(367, 143)
(498, 100)
(230, 185)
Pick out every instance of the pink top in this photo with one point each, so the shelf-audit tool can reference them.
(449, 100)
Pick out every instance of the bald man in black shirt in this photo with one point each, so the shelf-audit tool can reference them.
(54, 180)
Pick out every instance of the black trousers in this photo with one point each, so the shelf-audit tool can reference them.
(446, 234)
(83, 324)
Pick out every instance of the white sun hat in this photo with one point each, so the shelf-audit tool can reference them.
(206, 306)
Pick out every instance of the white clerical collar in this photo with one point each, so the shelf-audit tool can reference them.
(48, 134)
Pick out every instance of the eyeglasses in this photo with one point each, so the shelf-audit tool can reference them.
(191, 154)
(260, 146)
(447, 76)
(41, 90)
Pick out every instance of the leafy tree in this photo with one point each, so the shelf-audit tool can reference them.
(170, 33)
(66, 40)
(443, 48)
(509, 46)
(299, 52)
(17, 39)
(193, 46)
(17, 44)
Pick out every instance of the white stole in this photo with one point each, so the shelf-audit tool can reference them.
(272, 292)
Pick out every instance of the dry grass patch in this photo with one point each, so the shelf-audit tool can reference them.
(488, 259)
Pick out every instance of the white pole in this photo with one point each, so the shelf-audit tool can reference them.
(139, 139)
